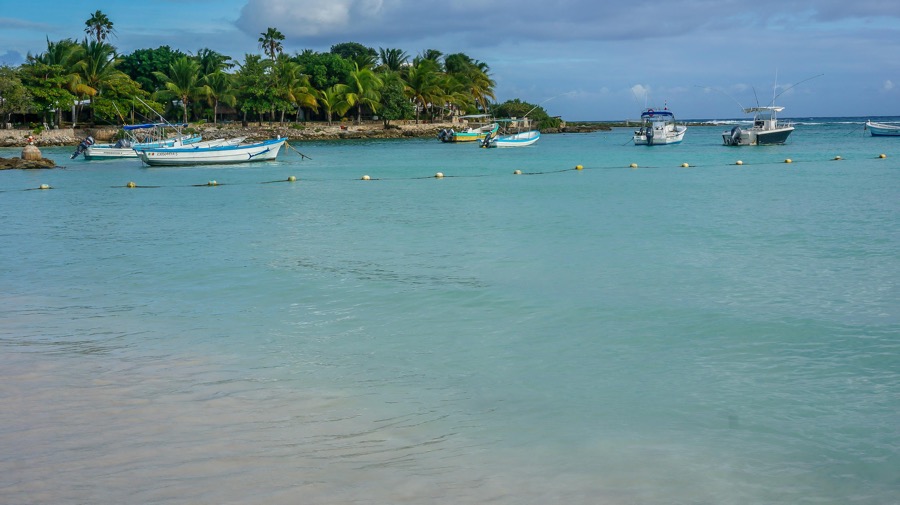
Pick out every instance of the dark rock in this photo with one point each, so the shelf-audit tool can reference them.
(19, 163)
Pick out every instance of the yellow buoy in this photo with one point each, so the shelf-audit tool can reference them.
(837, 158)
(44, 186)
(439, 175)
(738, 162)
(292, 178)
(633, 165)
(788, 160)
(366, 177)
(685, 165)
(882, 156)
(517, 172)
(579, 167)
(212, 183)
(131, 185)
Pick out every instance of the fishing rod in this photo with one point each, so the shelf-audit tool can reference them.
(793, 86)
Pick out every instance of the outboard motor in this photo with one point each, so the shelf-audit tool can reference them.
(649, 135)
(82, 147)
(736, 135)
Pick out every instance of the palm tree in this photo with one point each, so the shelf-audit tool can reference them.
(270, 42)
(211, 61)
(423, 84)
(220, 89)
(182, 82)
(292, 86)
(480, 84)
(333, 99)
(393, 59)
(99, 26)
(96, 69)
(61, 63)
(363, 90)
(432, 55)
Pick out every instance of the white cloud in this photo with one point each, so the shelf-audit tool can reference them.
(888, 85)
(641, 92)
(306, 18)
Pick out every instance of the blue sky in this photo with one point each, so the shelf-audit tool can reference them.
(582, 59)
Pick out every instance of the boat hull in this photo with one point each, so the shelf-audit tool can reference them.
(522, 139)
(216, 155)
(755, 137)
(883, 130)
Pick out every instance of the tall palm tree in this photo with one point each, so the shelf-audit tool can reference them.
(220, 89)
(270, 42)
(480, 84)
(182, 82)
(99, 26)
(334, 100)
(96, 69)
(363, 90)
(423, 84)
(393, 59)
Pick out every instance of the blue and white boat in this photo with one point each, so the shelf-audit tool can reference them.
(513, 134)
(212, 155)
(658, 127)
(882, 129)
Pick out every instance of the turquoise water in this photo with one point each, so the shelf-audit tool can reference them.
(718, 334)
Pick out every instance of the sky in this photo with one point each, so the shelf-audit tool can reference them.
(580, 59)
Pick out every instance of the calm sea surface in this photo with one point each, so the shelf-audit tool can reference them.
(718, 334)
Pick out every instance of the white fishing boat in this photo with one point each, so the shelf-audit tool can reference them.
(214, 155)
(477, 127)
(882, 129)
(512, 134)
(136, 136)
(766, 129)
(658, 127)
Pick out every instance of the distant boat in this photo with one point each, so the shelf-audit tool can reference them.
(481, 126)
(214, 155)
(510, 138)
(766, 129)
(882, 129)
(658, 127)
(140, 135)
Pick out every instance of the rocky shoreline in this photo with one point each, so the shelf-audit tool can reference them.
(294, 131)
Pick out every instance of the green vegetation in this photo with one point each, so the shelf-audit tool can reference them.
(519, 109)
(89, 81)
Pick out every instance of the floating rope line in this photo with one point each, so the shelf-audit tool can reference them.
(441, 175)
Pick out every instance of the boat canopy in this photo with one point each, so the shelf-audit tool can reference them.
(764, 109)
(151, 125)
(653, 113)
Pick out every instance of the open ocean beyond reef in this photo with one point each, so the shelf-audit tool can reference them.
(717, 334)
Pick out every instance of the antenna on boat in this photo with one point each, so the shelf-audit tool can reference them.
(793, 86)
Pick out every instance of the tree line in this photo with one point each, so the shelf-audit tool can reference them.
(92, 79)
